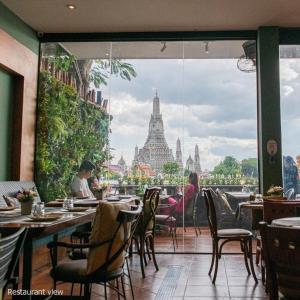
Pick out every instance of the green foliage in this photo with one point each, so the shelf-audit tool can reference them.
(249, 167)
(69, 130)
(171, 168)
(229, 166)
(101, 69)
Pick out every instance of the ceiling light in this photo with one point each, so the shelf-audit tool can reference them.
(71, 6)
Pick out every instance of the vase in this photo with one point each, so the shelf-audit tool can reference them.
(26, 207)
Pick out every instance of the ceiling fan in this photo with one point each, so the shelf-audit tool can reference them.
(247, 61)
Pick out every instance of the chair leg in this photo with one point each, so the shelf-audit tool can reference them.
(153, 252)
(105, 291)
(123, 287)
(141, 253)
(216, 263)
(148, 252)
(258, 251)
(130, 282)
(244, 248)
(117, 286)
(87, 294)
(213, 258)
(72, 287)
(251, 259)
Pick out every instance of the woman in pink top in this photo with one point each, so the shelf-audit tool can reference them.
(190, 191)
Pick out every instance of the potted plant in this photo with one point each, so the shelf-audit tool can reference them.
(26, 197)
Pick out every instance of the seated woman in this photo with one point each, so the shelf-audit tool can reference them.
(80, 187)
(190, 190)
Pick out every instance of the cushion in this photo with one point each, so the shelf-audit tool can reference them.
(104, 226)
(75, 271)
(224, 202)
(11, 201)
(234, 232)
(70, 271)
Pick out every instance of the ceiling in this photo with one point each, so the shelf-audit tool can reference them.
(156, 50)
(155, 15)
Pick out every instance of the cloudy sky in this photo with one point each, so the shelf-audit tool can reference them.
(206, 102)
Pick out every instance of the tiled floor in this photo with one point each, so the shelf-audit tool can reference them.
(181, 276)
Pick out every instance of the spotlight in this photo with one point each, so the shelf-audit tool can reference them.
(163, 47)
(71, 6)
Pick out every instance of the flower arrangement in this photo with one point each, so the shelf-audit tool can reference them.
(275, 191)
(26, 195)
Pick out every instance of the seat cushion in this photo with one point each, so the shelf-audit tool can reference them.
(75, 271)
(70, 271)
(234, 232)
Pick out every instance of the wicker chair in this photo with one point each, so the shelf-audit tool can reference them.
(10, 250)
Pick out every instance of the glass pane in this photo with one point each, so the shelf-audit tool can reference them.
(290, 117)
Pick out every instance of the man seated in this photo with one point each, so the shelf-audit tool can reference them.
(80, 187)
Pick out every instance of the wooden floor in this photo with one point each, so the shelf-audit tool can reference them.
(181, 276)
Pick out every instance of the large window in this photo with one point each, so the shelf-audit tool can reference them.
(151, 113)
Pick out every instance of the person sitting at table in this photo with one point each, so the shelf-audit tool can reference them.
(80, 187)
(190, 191)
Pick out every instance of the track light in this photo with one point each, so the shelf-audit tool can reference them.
(206, 47)
(163, 47)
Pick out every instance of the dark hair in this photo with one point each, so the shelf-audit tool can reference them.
(193, 177)
(86, 165)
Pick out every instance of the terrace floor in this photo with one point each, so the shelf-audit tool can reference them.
(181, 276)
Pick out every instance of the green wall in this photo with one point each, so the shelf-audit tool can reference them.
(6, 104)
(15, 27)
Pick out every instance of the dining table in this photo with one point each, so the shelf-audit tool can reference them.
(292, 222)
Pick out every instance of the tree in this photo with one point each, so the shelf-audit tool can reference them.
(171, 168)
(97, 71)
(249, 167)
(229, 166)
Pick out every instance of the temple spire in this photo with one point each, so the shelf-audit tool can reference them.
(156, 108)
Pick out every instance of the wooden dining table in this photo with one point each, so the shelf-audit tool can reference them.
(41, 233)
(293, 222)
(93, 202)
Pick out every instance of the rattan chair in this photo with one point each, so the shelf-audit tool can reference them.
(10, 250)
(226, 235)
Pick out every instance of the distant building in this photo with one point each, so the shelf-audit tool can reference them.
(197, 167)
(144, 170)
(179, 155)
(190, 164)
(156, 151)
(122, 163)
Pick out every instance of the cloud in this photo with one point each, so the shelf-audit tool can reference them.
(208, 102)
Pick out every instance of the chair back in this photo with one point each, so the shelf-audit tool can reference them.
(282, 257)
(211, 212)
(279, 209)
(122, 220)
(10, 249)
(150, 205)
(196, 204)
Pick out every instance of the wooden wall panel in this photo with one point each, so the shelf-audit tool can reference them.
(23, 63)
